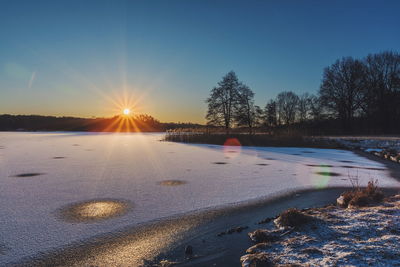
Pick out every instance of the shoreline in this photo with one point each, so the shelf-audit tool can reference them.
(393, 167)
(227, 249)
(145, 245)
(184, 225)
(356, 233)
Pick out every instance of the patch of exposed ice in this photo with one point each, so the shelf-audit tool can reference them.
(369, 150)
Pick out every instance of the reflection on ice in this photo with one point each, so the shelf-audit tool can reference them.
(94, 210)
(172, 182)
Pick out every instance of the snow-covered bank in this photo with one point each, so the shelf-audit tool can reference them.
(383, 147)
(336, 237)
(368, 143)
(42, 173)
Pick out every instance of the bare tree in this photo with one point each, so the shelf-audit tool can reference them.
(342, 88)
(247, 113)
(223, 101)
(382, 98)
(364, 94)
(271, 114)
(316, 108)
(304, 107)
(287, 106)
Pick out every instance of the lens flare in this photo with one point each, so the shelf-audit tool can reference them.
(232, 148)
(322, 177)
(127, 111)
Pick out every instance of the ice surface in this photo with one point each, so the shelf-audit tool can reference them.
(75, 167)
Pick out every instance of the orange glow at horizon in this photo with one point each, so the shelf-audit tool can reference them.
(123, 104)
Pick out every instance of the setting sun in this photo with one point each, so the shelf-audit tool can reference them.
(126, 111)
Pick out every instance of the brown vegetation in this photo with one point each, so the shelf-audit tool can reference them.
(216, 137)
(292, 218)
(264, 236)
(361, 197)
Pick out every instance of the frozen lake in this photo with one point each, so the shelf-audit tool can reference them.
(42, 173)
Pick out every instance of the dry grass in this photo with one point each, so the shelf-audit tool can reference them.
(245, 139)
(264, 236)
(363, 197)
(293, 218)
(260, 259)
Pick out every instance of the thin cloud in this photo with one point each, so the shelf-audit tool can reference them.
(32, 79)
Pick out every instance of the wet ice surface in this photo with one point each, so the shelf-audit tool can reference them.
(134, 168)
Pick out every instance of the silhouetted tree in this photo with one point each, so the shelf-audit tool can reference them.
(304, 107)
(342, 89)
(270, 114)
(287, 105)
(247, 113)
(382, 97)
(316, 108)
(223, 101)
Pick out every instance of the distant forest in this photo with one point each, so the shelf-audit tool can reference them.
(355, 96)
(138, 123)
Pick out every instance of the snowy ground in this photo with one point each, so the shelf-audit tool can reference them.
(339, 237)
(368, 143)
(132, 169)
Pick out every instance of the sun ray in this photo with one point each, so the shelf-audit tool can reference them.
(135, 127)
(110, 127)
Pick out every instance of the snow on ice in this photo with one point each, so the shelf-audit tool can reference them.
(43, 173)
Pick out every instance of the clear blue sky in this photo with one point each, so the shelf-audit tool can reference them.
(76, 57)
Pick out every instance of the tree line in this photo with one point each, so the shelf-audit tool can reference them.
(139, 122)
(355, 95)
